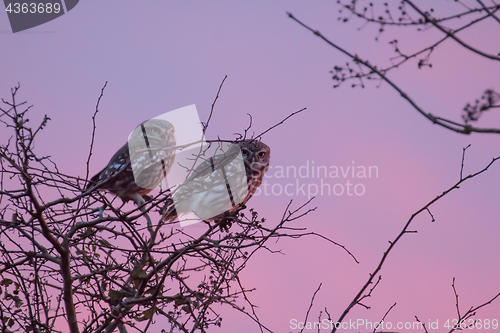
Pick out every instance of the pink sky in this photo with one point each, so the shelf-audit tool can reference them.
(158, 56)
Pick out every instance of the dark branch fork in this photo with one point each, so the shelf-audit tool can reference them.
(361, 294)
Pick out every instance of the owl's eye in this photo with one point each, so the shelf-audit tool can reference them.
(262, 154)
(244, 152)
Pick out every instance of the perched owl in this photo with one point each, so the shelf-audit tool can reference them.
(208, 190)
(140, 164)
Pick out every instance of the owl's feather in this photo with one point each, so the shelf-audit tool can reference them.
(205, 190)
(153, 159)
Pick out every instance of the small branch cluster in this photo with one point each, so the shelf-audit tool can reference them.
(465, 321)
(489, 100)
(407, 14)
(358, 70)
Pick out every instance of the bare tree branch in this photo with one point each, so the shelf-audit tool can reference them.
(456, 127)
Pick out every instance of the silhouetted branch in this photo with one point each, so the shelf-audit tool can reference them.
(404, 231)
(310, 305)
(93, 131)
(462, 319)
(205, 126)
(373, 70)
(385, 315)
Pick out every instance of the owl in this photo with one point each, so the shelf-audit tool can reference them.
(207, 189)
(140, 164)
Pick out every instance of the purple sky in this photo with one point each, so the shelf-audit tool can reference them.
(158, 56)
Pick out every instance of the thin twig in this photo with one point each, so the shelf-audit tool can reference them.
(93, 131)
(310, 305)
(281, 122)
(385, 315)
(463, 159)
(213, 105)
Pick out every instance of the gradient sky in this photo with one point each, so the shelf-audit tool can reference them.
(162, 55)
